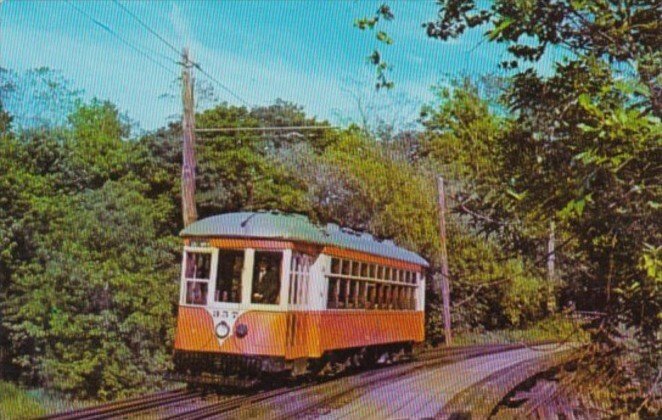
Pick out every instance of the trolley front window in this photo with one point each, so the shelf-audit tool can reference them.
(197, 272)
(266, 277)
(228, 276)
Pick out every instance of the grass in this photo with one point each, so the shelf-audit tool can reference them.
(16, 403)
(556, 328)
(20, 403)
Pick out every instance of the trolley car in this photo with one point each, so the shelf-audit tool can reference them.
(274, 293)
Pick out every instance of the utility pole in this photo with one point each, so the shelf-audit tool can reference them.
(445, 286)
(189, 211)
(551, 269)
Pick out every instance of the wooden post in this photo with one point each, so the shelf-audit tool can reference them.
(551, 269)
(445, 286)
(189, 211)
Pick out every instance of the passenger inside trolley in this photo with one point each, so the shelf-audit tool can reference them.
(266, 277)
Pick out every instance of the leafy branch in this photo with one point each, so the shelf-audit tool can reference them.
(381, 66)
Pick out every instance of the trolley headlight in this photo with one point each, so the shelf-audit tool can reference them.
(222, 329)
(241, 330)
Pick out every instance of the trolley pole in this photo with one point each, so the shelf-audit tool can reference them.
(445, 286)
(189, 211)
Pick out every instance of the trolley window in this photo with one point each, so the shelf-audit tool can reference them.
(266, 277)
(299, 278)
(358, 285)
(228, 277)
(197, 272)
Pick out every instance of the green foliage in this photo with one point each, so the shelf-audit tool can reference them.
(103, 331)
(37, 98)
(489, 289)
(94, 146)
(369, 186)
(88, 266)
(583, 150)
(554, 328)
(461, 134)
(369, 23)
(5, 120)
(17, 404)
(597, 178)
(356, 183)
(235, 169)
(89, 261)
(523, 296)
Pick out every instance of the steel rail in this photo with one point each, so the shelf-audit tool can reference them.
(165, 399)
(128, 406)
(95, 408)
(370, 377)
(433, 360)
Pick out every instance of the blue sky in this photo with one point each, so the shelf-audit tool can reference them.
(306, 52)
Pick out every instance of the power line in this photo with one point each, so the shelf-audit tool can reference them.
(232, 129)
(116, 35)
(173, 48)
(146, 26)
(221, 85)
(166, 42)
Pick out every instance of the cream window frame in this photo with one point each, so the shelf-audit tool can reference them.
(211, 282)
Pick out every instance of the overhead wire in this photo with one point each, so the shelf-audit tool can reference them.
(146, 26)
(190, 62)
(234, 129)
(221, 85)
(120, 38)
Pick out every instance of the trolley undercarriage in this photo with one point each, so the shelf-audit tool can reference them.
(237, 371)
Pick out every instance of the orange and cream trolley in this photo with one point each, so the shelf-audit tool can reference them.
(270, 292)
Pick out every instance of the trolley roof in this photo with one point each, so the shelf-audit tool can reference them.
(295, 227)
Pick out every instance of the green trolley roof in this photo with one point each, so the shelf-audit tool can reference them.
(295, 227)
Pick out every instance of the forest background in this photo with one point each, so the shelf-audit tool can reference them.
(90, 205)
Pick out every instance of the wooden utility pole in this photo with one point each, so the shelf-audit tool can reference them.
(189, 211)
(445, 286)
(551, 269)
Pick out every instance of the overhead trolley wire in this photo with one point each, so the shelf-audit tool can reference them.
(222, 86)
(146, 26)
(189, 63)
(119, 37)
(173, 48)
(233, 129)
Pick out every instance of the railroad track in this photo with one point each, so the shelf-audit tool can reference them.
(324, 392)
(126, 407)
(191, 405)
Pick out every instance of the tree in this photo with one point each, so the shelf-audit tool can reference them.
(5, 120)
(86, 315)
(235, 168)
(583, 151)
(37, 98)
(20, 192)
(616, 32)
(88, 262)
(581, 148)
(95, 144)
